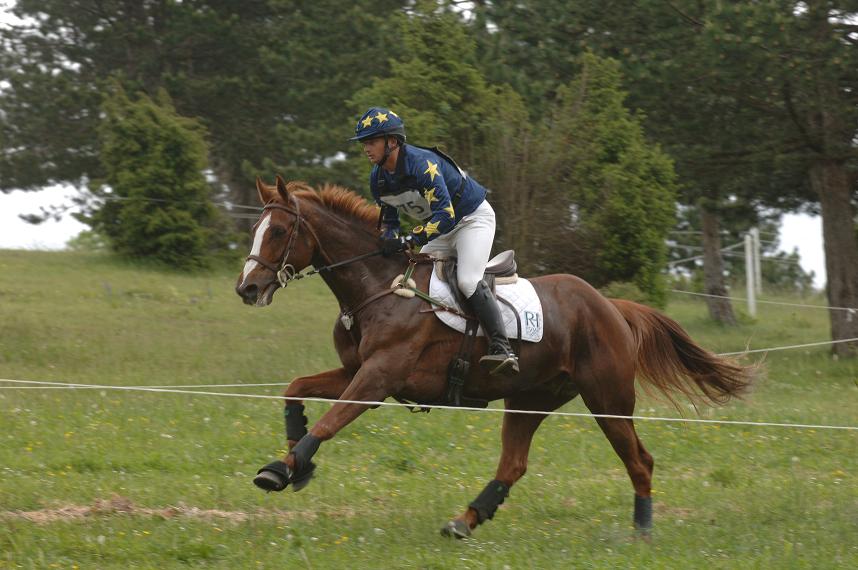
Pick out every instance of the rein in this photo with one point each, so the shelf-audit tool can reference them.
(286, 272)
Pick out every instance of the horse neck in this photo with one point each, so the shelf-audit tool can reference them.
(343, 238)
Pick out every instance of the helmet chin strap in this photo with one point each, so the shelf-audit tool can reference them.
(387, 151)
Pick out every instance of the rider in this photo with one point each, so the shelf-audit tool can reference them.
(457, 219)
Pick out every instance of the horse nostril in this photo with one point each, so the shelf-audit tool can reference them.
(248, 293)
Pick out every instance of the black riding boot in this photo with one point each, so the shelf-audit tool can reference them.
(500, 359)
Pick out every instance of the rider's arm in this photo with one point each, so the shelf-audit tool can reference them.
(389, 214)
(389, 221)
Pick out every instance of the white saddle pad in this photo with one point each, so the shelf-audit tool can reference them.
(521, 294)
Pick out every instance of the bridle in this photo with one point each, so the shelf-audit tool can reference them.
(286, 272)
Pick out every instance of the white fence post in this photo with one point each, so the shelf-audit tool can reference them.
(758, 274)
(749, 275)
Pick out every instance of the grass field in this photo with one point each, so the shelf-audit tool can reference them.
(109, 479)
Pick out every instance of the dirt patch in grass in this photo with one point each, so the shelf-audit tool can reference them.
(123, 506)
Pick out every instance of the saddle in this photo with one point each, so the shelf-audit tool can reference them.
(502, 268)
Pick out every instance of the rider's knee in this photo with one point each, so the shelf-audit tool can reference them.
(467, 285)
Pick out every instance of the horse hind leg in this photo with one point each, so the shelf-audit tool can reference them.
(517, 434)
(626, 443)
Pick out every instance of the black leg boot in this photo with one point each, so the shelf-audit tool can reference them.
(500, 359)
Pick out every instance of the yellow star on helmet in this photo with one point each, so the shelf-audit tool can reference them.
(382, 117)
(432, 171)
(449, 209)
(429, 194)
(432, 228)
(366, 122)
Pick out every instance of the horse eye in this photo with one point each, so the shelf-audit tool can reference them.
(277, 231)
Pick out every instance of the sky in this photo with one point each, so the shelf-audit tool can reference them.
(15, 233)
(804, 232)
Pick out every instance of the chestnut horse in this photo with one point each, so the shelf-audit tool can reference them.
(591, 346)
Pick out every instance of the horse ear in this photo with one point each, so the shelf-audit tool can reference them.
(281, 188)
(265, 192)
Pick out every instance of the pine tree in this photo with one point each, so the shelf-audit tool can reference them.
(621, 188)
(154, 199)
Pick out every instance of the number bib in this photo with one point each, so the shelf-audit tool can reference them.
(411, 202)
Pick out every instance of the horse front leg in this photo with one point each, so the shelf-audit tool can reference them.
(327, 384)
(370, 383)
(516, 435)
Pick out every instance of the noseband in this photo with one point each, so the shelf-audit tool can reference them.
(286, 272)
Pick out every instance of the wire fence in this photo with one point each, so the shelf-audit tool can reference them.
(767, 258)
(744, 299)
(194, 389)
(441, 407)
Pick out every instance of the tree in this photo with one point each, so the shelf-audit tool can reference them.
(154, 199)
(319, 54)
(434, 83)
(756, 101)
(435, 86)
(578, 189)
(621, 188)
(801, 71)
(789, 71)
(267, 78)
(539, 44)
(59, 61)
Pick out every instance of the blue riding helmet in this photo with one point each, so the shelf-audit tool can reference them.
(377, 122)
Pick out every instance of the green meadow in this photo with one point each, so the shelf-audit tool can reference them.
(107, 479)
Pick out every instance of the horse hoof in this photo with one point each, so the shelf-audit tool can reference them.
(456, 529)
(272, 477)
(270, 481)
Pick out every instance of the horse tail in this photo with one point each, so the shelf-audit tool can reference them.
(668, 360)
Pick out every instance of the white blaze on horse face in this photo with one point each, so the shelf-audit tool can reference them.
(257, 247)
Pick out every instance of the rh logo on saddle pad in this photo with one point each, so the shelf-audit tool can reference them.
(531, 323)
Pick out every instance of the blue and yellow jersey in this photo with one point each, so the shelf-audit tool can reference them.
(426, 186)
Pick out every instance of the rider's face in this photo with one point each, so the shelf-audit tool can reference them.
(374, 148)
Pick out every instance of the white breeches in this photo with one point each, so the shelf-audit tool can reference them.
(471, 241)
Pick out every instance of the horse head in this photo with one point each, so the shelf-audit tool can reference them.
(280, 248)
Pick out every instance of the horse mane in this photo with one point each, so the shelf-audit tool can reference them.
(338, 199)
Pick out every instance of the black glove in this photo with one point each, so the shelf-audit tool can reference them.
(389, 246)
